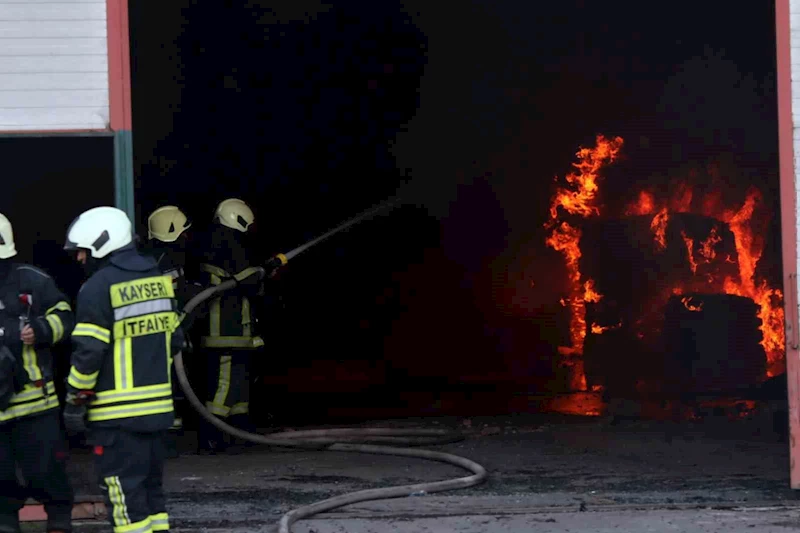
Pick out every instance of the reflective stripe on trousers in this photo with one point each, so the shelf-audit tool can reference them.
(217, 405)
(241, 408)
(131, 466)
(119, 510)
(159, 522)
(232, 386)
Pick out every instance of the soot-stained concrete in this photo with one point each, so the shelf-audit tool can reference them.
(551, 473)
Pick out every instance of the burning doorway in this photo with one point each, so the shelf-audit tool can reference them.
(665, 297)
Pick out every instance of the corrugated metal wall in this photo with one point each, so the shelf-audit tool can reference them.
(53, 65)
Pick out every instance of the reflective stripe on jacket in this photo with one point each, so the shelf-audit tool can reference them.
(171, 263)
(230, 320)
(50, 316)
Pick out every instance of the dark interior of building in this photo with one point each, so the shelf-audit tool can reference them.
(459, 302)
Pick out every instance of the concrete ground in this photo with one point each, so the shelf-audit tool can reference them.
(547, 473)
(605, 522)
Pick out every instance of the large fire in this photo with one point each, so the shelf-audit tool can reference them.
(577, 199)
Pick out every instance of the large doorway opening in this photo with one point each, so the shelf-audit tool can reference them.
(650, 279)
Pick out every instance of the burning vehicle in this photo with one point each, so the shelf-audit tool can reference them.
(666, 306)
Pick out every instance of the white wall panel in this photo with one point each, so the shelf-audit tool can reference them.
(44, 99)
(43, 119)
(43, 48)
(53, 65)
(36, 64)
(51, 29)
(53, 81)
(51, 11)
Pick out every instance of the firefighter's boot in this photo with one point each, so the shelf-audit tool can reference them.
(210, 440)
(244, 423)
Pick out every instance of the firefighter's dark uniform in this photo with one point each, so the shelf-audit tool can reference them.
(172, 264)
(30, 429)
(229, 335)
(123, 342)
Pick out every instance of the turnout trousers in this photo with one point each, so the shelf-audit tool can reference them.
(131, 470)
(36, 445)
(177, 424)
(178, 398)
(228, 383)
(228, 395)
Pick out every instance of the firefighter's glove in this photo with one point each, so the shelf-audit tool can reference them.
(250, 279)
(75, 418)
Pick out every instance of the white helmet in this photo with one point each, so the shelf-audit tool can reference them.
(7, 248)
(167, 223)
(234, 213)
(100, 230)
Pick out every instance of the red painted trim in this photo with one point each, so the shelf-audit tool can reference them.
(119, 65)
(32, 513)
(788, 229)
(80, 511)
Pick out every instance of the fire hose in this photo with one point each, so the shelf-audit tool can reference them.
(381, 441)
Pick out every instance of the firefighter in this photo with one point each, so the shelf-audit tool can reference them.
(229, 336)
(119, 388)
(34, 316)
(167, 242)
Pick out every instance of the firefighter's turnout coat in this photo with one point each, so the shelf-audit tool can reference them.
(173, 264)
(229, 331)
(29, 296)
(231, 323)
(126, 333)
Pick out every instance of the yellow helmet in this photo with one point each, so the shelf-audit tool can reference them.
(235, 214)
(7, 248)
(167, 223)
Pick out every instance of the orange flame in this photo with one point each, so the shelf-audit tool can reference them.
(646, 205)
(770, 301)
(578, 198)
(708, 245)
(659, 227)
(748, 249)
(688, 304)
(589, 292)
(599, 330)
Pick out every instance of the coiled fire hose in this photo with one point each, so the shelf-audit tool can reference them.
(360, 440)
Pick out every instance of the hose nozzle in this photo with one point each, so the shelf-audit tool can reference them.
(275, 263)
